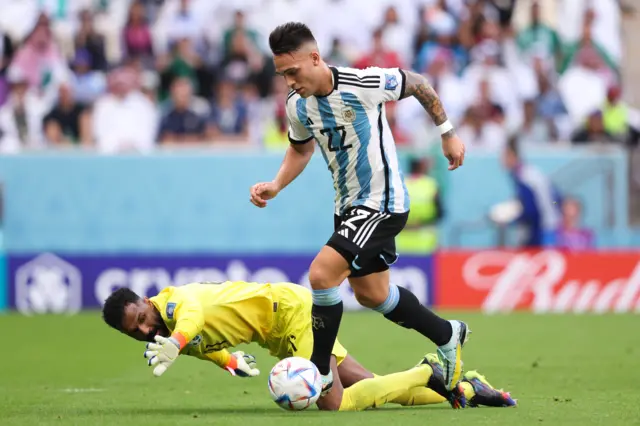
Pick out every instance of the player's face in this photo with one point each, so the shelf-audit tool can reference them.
(300, 70)
(143, 322)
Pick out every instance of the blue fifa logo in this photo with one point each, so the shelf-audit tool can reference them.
(171, 307)
(390, 82)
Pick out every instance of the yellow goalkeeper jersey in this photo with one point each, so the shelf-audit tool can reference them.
(214, 316)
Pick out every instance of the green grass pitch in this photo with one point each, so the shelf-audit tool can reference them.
(564, 370)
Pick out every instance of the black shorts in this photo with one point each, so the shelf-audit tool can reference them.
(366, 239)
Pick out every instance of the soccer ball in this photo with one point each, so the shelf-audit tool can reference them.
(295, 383)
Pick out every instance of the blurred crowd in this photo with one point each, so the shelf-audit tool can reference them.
(130, 75)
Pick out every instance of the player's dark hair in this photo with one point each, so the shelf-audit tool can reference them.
(113, 309)
(289, 37)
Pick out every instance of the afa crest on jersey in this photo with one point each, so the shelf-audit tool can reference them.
(349, 114)
(390, 82)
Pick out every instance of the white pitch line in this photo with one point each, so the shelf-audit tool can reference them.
(82, 390)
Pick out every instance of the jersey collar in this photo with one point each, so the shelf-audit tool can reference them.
(334, 77)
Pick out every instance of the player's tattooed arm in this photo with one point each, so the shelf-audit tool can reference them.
(418, 86)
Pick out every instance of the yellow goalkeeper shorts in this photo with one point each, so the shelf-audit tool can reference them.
(291, 333)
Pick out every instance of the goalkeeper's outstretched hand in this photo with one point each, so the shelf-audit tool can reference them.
(242, 365)
(162, 354)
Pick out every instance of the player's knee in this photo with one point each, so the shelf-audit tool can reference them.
(317, 278)
(328, 269)
(321, 278)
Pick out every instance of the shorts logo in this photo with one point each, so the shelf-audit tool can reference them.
(171, 307)
(390, 82)
(349, 114)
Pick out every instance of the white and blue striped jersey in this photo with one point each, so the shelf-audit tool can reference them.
(351, 129)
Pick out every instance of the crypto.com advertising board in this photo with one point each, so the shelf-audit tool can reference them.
(545, 281)
(66, 284)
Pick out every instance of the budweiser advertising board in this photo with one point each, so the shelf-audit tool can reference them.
(538, 281)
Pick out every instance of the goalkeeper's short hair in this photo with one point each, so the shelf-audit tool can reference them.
(113, 309)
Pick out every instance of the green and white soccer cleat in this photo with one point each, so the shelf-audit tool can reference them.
(327, 383)
(450, 354)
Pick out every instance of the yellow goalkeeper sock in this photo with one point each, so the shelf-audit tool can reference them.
(425, 396)
(374, 392)
(419, 395)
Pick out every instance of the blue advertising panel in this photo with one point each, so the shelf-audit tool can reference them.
(66, 284)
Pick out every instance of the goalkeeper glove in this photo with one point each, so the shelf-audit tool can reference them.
(242, 365)
(162, 354)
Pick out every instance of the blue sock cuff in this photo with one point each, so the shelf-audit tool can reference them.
(391, 302)
(327, 297)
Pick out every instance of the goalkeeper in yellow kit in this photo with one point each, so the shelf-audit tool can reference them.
(204, 319)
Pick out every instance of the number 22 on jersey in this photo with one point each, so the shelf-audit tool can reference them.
(336, 137)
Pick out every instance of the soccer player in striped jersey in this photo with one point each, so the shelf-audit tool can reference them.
(343, 110)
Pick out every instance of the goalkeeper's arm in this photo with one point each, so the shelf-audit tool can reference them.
(237, 363)
(189, 322)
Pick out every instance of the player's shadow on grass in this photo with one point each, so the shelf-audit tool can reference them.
(186, 412)
(244, 411)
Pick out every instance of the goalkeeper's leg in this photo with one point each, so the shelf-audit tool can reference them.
(372, 391)
(477, 391)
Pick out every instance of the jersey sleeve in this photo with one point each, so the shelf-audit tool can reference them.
(298, 133)
(391, 84)
(188, 315)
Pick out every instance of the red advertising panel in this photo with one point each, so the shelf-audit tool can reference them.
(538, 281)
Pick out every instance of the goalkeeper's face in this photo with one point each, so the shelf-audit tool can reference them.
(143, 322)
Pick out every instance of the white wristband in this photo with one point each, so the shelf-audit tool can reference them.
(445, 127)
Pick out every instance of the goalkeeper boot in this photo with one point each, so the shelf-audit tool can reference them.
(485, 394)
(450, 353)
(436, 383)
